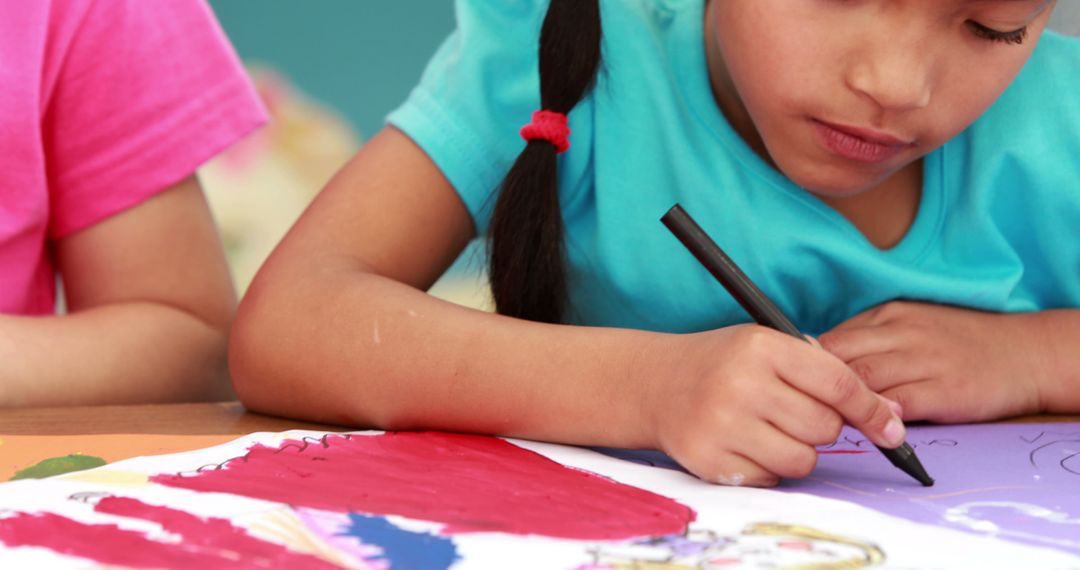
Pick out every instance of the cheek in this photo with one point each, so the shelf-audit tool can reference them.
(963, 95)
(769, 81)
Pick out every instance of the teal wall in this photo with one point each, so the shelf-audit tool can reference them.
(363, 56)
(359, 56)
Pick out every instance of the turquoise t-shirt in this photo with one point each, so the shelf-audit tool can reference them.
(998, 226)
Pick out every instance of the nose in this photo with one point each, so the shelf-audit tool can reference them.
(893, 70)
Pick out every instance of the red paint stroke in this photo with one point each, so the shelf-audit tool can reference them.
(202, 544)
(469, 483)
(842, 451)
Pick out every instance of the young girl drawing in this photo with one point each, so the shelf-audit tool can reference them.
(895, 174)
(107, 107)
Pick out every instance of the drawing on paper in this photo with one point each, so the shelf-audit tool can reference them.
(1062, 448)
(761, 545)
(184, 540)
(378, 501)
(1010, 481)
(1013, 481)
(58, 465)
(467, 483)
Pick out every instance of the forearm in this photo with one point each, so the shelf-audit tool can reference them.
(355, 348)
(1057, 340)
(132, 352)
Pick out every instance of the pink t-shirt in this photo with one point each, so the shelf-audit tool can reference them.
(103, 103)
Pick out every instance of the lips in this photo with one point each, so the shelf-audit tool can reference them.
(859, 144)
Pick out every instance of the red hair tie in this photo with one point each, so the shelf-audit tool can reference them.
(548, 126)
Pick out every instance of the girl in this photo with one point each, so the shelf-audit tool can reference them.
(862, 160)
(107, 109)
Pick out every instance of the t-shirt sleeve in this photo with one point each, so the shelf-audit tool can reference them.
(477, 92)
(145, 93)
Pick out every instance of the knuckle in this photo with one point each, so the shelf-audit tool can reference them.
(876, 416)
(830, 341)
(732, 393)
(864, 370)
(888, 311)
(757, 340)
(845, 386)
(728, 419)
(877, 313)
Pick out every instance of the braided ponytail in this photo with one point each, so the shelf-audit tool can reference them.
(526, 264)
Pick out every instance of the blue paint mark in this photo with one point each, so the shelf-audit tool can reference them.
(402, 549)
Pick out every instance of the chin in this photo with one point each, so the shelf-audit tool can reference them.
(833, 182)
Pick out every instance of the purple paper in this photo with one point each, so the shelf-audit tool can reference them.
(1018, 482)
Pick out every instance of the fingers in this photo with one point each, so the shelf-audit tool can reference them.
(883, 372)
(911, 398)
(755, 457)
(827, 379)
(879, 371)
(881, 356)
(923, 402)
(802, 417)
(735, 470)
(777, 452)
(849, 344)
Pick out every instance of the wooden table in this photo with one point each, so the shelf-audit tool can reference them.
(179, 419)
(191, 419)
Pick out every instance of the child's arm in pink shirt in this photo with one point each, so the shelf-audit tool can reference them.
(110, 108)
(150, 301)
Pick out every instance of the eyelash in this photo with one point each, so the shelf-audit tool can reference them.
(1015, 37)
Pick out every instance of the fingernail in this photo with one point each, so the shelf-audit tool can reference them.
(894, 433)
(896, 408)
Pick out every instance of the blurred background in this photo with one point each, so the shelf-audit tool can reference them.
(330, 71)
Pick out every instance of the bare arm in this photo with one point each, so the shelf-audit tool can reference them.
(337, 328)
(1060, 390)
(356, 339)
(149, 302)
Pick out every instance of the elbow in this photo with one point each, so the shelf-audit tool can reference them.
(251, 358)
(216, 372)
(287, 357)
(271, 358)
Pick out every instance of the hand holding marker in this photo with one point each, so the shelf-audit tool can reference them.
(763, 311)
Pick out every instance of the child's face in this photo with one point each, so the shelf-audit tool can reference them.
(841, 94)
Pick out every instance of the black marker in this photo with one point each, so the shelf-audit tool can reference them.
(763, 310)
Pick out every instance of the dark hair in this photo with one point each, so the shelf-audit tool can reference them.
(526, 253)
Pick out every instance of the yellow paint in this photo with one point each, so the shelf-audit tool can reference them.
(109, 477)
(284, 527)
(872, 554)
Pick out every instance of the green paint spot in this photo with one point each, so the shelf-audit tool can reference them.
(59, 466)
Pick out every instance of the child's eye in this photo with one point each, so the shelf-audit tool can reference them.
(1015, 37)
